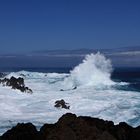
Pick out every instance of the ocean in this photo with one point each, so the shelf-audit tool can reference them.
(101, 91)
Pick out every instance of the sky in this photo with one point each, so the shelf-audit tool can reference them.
(31, 25)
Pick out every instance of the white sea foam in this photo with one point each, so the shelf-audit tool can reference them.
(87, 99)
(94, 70)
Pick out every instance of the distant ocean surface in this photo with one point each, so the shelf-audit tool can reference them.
(129, 75)
(101, 91)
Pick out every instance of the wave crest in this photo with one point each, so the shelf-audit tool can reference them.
(95, 70)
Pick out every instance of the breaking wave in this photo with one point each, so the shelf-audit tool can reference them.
(95, 70)
(115, 104)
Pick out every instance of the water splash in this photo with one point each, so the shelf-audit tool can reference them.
(94, 70)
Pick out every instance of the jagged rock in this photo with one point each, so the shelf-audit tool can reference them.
(71, 127)
(61, 104)
(21, 132)
(16, 83)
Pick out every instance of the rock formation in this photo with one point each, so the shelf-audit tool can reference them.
(71, 127)
(15, 83)
(21, 132)
(61, 104)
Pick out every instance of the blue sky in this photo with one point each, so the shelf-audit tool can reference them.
(30, 25)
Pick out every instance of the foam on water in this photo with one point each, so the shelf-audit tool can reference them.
(95, 71)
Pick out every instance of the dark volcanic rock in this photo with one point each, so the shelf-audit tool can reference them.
(61, 104)
(16, 83)
(71, 127)
(22, 132)
(135, 135)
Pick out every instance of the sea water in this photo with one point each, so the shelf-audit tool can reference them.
(101, 91)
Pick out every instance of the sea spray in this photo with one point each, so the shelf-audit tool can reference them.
(115, 104)
(94, 70)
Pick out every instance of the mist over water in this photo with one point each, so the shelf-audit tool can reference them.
(96, 95)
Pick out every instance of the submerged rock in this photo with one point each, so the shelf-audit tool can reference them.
(15, 83)
(61, 104)
(71, 127)
(23, 75)
(74, 88)
(2, 74)
(68, 89)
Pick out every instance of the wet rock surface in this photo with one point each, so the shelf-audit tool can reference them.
(61, 104)
(71, 127)
(16, 83)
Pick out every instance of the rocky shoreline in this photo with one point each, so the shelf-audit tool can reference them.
(71, 127)
(16, 83)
